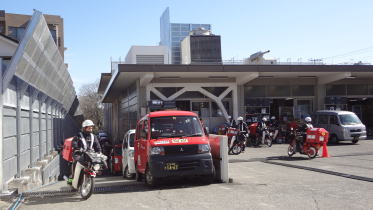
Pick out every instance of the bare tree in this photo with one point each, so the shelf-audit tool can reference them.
(90, 103)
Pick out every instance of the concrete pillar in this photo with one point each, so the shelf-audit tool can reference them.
(42, 98)
(47, 102)
(33, 95)
(320, 97)
(21, 88)
(235, 101)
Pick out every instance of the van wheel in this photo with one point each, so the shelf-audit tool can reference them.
(127, 174)
(150, 180)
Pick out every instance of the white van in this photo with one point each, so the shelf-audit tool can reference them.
(341, 125)
(128, 164)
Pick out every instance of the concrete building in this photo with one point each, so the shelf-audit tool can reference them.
(14, 26)
(201, 47)
(216, 91)
(147, 55)
(173, 33)
(37, 105)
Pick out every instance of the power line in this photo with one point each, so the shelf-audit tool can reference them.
(363, 50)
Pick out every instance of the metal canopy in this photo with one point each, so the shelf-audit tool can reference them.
(38, 62)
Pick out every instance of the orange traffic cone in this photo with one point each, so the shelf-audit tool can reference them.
(325, 153)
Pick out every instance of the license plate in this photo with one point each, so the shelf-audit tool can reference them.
(171, 167)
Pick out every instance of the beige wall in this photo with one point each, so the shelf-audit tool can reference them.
(17, 20)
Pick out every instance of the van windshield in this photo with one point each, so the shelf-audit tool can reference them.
(349, 119)
(175, 126)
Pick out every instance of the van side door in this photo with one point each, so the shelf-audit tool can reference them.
(335, 126)
(323, 121)
(125, 150)
(143, 146)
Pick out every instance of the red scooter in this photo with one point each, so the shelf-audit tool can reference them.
(315, 139)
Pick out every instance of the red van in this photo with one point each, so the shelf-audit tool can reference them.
(169, 144)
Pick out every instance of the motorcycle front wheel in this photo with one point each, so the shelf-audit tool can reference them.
(312, 152)
(291, 150)
(268, 141)
(236, 149)
(87, 186)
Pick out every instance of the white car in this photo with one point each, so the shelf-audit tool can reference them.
(128, 150)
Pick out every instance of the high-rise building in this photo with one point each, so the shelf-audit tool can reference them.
(14, 26)
(173, 33)
(201, 47)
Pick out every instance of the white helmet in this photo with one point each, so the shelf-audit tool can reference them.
(239, 118)
(273, 118)
(229, 117)
(264, 119)
(308, 119)
(87, 123)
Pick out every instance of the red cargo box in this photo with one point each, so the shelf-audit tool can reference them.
(317, 135)
(68, 150)
(252, 128)
(232, 132)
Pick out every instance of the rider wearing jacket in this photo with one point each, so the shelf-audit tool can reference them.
(243, 131)
(303, 129)
(84, 141)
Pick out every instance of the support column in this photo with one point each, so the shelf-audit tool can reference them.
(47, 102)
(42, 98)
(320, 96)
(21, 89)
(235, 102)
(33, 94)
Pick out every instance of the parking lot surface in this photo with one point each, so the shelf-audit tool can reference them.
(263, 178)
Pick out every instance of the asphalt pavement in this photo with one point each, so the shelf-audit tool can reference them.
(263, 178)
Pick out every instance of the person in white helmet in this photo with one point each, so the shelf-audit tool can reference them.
(275, 126)
(84, 141)
(262, 125)
(303, 129)
(242, 131)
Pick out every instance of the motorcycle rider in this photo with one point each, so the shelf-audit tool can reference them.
(303, 129)
(84, 141)
(242, 132)
(262, 125)
(274, 124)
(231, 122)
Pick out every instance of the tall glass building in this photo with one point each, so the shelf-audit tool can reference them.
(173, 33)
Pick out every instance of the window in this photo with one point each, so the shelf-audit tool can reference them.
(124, 144)
(349, 119)
(201, 108)
(335, 90)
(333, 120)
(132, 140)
(144, 130)
(16, 32)
(216, 111)
(175, 126)
(323, 119)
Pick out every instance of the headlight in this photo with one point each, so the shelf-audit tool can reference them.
(203, 148)
(157, 151)
(97, 167)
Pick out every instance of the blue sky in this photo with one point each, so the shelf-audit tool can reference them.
(337, 30)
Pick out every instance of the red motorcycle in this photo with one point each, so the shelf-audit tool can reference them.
(315, 139)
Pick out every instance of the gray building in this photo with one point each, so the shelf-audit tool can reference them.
(201, 47)
(173, 33)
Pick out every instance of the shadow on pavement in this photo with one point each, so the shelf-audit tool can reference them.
(287, 158)
(48, 197)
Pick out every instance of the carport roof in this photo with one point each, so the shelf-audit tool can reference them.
(127, 74)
